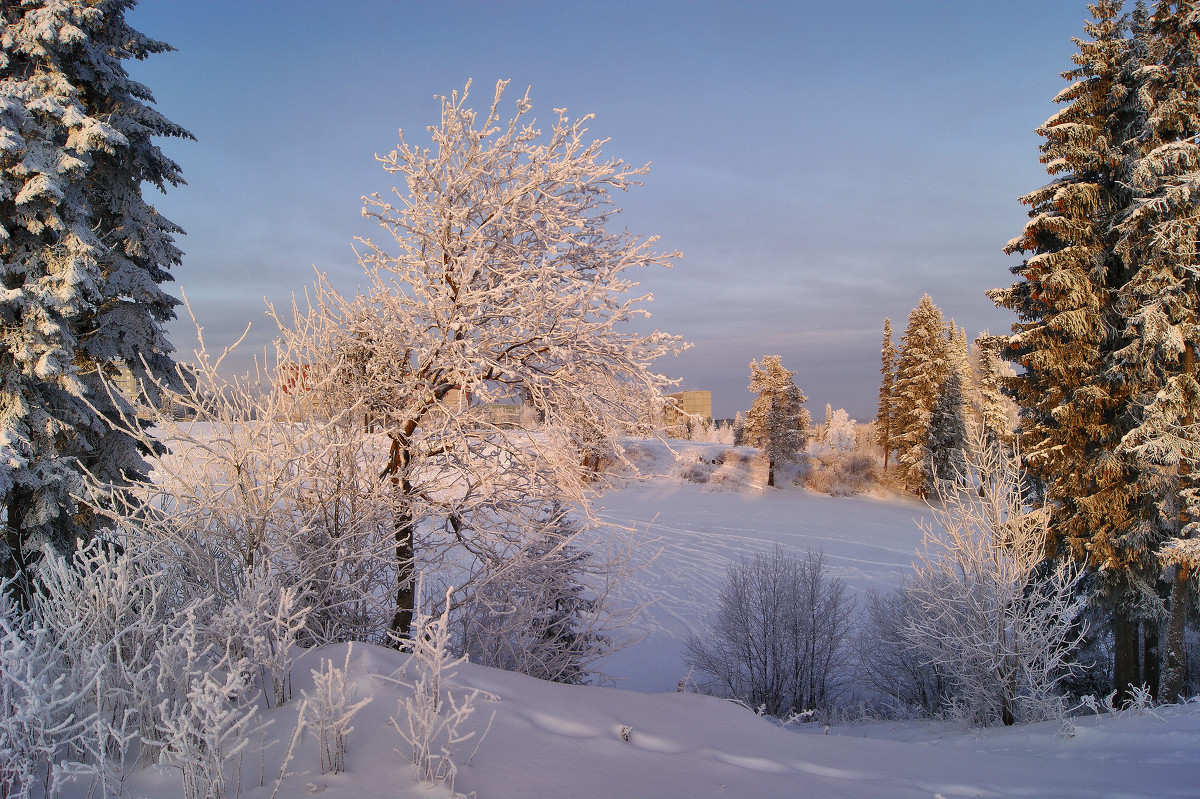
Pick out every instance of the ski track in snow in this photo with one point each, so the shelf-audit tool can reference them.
(692, 533)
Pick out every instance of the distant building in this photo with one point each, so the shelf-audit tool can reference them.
(685, 405)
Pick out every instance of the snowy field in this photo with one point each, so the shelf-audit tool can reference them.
(644, 739)
(692, 532)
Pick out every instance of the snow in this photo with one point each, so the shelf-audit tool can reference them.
(547, 739)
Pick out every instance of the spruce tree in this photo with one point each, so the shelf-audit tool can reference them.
(82, 259)
(992, 409)
(885, 413)
(778, 421)
(1160, 304)
(948, 432)
(921, 368)
(1075, 390)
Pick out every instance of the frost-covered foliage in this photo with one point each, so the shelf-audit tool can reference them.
(272, 481)
(778, 639)
(927, 358)
(778, 421)
(545, 610)
(204, 716)
(984, 606)
(505, 285)
(262, 624)
(113, 657)
(39, 722)
(886, 412)
(329, 710)
(839, 433)
(430, 719)
(842, 474)
(995, 412)
(948, 431)
(82, 257)
(1106, 300)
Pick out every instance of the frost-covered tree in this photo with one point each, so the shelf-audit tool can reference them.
(921, 369)
(885, 415)
(992, 411)
(777, 422)
(1160, 305)
(507, 284)
(778, 638)
(948, 432)
(544, 612)
(1102, 313)
(988, 611)
(82, 260)
(840, 435)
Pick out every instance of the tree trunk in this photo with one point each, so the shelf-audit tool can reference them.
(1150, 657)
(770, 473)
(406, 583)
(1125, 656)
(1175, 667)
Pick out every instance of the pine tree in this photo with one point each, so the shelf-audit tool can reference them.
(993, 405)
(948, 432)
(1078, 328)
(82, 257)
(884, 415)
(1161, 306)
(828, 421)
(778, 421)
(921, 368)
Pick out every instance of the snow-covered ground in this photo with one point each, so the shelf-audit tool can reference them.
(550, 740)
(692, 531)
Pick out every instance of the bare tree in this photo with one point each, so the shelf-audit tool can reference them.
(777, 640)
(506, 287)
(991, 612)
(888, 667)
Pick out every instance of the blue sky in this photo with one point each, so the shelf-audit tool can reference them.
(819, 164)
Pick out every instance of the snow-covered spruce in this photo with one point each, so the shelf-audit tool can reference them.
(777, 422)
(82, 260)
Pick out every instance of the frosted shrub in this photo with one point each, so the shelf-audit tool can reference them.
(990, 612)
(204, 716)
(272, 472)
(778, 639)
(106, 611)
(39, 718)
(536, 612)
(328, 712)
(262, 624)
(888, 667)
(429, 721)
(842, 474)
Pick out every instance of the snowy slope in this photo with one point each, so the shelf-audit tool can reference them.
(550, 740)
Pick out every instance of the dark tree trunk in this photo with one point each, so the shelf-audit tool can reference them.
(1150, 656)
(1175, 666)
(406, 584)
(1125, 657)
(403, 525)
